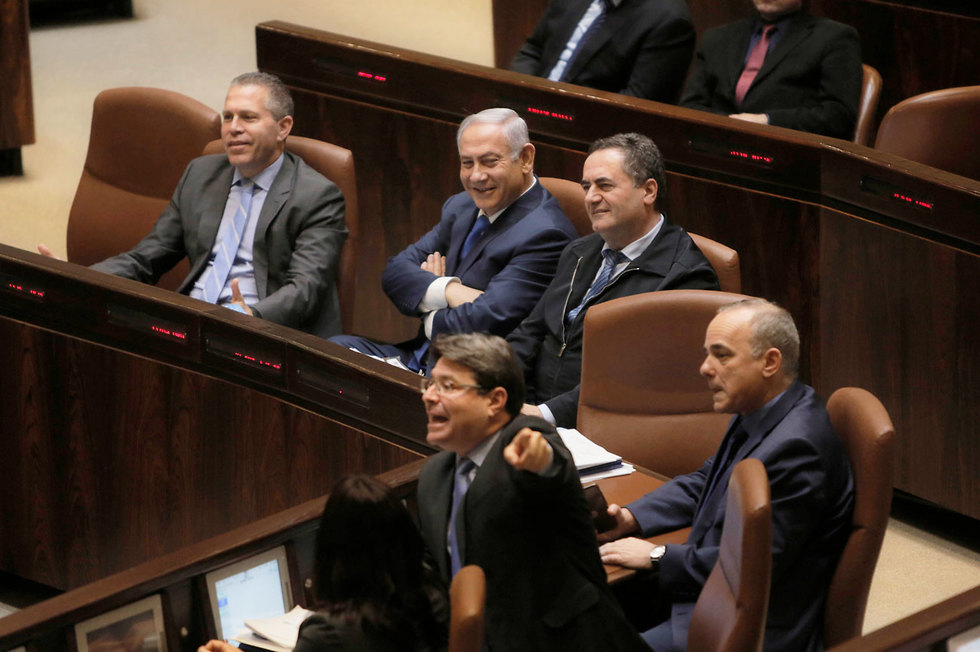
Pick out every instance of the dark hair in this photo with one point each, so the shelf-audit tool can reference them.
(642, 159)
(369, 564)
(491, 360)
(279, 101)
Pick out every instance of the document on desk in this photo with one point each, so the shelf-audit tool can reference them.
(592, 460)
(278, 633)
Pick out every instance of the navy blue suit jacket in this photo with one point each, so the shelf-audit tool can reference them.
(643, 47)
(810, 80)
(512, 263)
(812, 495)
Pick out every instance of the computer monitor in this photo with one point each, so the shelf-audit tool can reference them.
(254, 588)
(137, 626)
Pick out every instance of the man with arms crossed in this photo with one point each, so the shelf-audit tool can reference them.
(634, 249)
(751, 363)
(505, 495)
(263, 231)
(486, 263)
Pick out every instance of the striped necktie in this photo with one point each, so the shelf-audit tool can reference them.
(229, 239)
(613, 258)
(461, 485)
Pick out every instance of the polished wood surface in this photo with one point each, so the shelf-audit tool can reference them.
(136, 421)
(856, 244)
(16, 103)
(917, 46)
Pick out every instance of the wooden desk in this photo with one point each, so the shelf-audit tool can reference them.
(877, 258)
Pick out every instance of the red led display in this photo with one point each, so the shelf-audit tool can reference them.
(37, 294)
(258, 361)
(168, 332)
(367, 75)
(912, 200)
(550, 114)
(749, 156)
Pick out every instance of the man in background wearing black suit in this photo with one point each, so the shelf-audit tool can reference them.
(635, 47)
(782, 67)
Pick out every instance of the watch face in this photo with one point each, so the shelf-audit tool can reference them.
(657, 553)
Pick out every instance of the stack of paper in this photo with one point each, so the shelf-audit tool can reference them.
(590, 458)
(278, 633)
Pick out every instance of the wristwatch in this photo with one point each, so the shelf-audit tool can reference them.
(657, 554)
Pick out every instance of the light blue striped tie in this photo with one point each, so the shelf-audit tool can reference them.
(229, 239)
(613, 258)
(461, 484)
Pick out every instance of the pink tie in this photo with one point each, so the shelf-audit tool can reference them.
(756, 57)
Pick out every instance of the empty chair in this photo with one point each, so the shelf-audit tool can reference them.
(642, 395)
(867, 106)
(571, 197)
(730, 614)
(336, 164)
(937, 129)
(863, 423)
(141, 141)
(467, 602)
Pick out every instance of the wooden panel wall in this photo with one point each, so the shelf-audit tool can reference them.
(112, 459)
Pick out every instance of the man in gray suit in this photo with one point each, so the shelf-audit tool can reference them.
(263, 231)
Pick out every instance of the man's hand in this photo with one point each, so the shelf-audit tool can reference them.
(238, 299)
(531, 410)
(434, 263)
(457, 294)
(625, 524)
(217, 646)
(529, 451)
(630, 552)
(44, 251)
(758, 118)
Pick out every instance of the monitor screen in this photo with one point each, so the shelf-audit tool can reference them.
(254, 588)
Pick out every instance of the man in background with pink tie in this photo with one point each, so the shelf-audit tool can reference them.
(782, 67)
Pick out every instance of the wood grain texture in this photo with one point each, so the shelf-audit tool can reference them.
(16, 101)
(116, 459)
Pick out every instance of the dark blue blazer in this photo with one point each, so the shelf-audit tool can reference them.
(810, 81)
(812, 495)
(512, 263)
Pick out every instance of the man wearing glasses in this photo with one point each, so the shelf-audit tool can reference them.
(505, 495)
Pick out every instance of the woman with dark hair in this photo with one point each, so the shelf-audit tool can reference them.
(373, 591)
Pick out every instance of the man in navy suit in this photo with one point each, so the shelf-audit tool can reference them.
(635, 47)
(504, 495)
(751, 360)
(485, 264)
(806, 73)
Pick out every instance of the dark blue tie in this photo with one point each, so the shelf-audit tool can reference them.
(461, 485)
(589, 34)
(613, 258)
(479, 228)
(723, 461)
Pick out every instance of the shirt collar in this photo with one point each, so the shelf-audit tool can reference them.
(755, 422)
(479, 452)
(634, 249)
(263, 180)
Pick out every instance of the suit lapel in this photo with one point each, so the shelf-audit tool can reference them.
(737, 50)
(797, 31)
(211, 208)
(615, 22)
(461, 229)
(436, 508)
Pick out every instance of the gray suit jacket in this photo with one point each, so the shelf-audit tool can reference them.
(298, 241)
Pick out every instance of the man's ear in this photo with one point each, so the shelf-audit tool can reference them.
(285, 126)
(526, 157)
(498, 400)
(772, 362)
(650, 190)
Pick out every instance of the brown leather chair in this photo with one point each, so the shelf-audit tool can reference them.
(937, 129)
(467, 601)
(571, 197)
(642, 395)
(730, 614)
(140, 143)
(863, 423)
(337, 164)
(867, 106)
